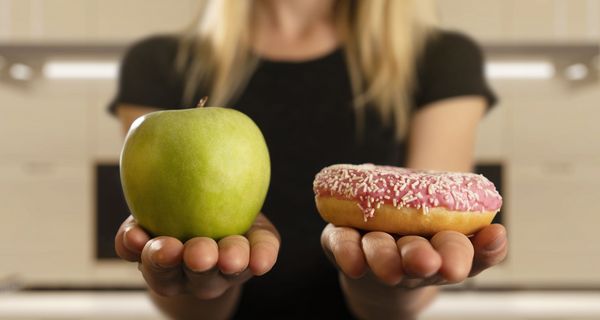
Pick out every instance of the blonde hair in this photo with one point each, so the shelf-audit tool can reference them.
(382, 41)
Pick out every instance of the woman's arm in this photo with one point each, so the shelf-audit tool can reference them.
(387, 278)
(442, 135)
(202, 278)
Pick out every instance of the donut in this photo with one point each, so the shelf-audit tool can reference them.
(404, 201)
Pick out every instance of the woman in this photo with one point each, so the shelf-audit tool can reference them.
(327, 82)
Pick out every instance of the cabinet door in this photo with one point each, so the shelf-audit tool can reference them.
(14, 20)
(524, 21)
(132, 19)
(483, 19)
(552, 218)
(45, 232)
(44, 20)
(555, 123)
(582, 19)
(60, 20)
(534, 20)
(43, 124)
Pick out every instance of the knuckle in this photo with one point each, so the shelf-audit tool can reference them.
(376, 235)
(262, 234)
(410, 240)
(233, 242)
(272, 247)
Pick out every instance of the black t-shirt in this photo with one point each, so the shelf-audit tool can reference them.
(305, 112)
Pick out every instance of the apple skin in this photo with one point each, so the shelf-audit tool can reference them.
(200, 172)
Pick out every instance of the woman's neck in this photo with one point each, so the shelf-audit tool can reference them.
(294, 29)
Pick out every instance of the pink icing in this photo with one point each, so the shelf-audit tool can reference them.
(371, 186)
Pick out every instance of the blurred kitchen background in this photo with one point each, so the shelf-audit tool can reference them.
(59, 148)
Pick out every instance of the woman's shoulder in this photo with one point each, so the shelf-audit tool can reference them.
(452, 64)
(154, 45)
(156, 42)
(443, 43)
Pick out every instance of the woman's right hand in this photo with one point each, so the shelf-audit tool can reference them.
(201, 266)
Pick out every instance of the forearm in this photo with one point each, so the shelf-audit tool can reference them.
(189, 307)
(369, 299)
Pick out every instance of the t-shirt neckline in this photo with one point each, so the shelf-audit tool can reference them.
(313, 60)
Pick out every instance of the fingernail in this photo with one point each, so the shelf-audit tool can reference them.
(496, 244)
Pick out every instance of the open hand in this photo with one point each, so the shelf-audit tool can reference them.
(413, 261)
(201, 266)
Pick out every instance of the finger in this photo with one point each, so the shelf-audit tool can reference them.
(121, 248)
(491, 247)
(264, 246)
(457, 255)
(134, 237)
(122, 251)
(343, 245)
(161, 265)
(234, 254)
(382, 256)
(200, 254)
(419, 258)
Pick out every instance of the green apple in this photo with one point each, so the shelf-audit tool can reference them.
(195, 172)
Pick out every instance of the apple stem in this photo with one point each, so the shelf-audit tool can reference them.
(202, 102)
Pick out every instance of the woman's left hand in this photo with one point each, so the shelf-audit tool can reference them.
(413, 261)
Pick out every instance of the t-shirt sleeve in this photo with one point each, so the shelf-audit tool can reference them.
(452, 66)
(148, 76)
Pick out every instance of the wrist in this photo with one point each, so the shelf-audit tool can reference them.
(369, 298)
(189, 306)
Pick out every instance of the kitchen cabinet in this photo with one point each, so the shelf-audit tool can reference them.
(59, 20)
(526, 22)
(45, 227)
(553, 122)
(47, 234)
(483, 19)
(83, 21)
(132, 19)
(552, 222)
(40, 127)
